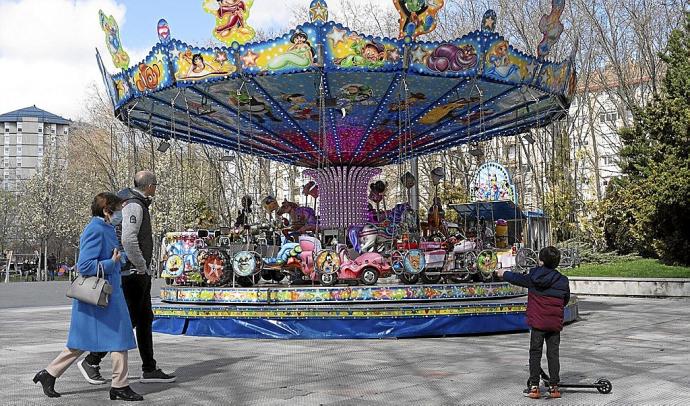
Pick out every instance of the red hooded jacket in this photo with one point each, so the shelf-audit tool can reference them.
(548, 293)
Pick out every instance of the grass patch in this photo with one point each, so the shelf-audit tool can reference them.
(636, 268)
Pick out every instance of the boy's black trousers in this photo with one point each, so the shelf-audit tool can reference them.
(553, 340)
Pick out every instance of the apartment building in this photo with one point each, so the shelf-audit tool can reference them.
(28, 134)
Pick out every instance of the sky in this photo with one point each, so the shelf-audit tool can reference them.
(47, 47)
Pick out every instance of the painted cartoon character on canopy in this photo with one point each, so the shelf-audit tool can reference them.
(147, 77)
(498, 64)
(300, 107)
(368, 54)
(302, 219)
(193, 66)
(412, 99)
(355, 93)
(231, 20)
(448, 111)
(258, 109)
(449, 57)
(552, 28)
(112, 40)
(417, 17)
(300, 54)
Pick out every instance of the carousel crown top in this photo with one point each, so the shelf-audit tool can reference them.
(324, 95)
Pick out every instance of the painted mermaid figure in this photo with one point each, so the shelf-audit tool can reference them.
(300, 54)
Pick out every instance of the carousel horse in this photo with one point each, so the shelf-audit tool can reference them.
(302, 219)
(371, 236)
(435, 223)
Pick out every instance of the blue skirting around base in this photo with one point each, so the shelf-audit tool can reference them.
(345, 328)
(170, 325)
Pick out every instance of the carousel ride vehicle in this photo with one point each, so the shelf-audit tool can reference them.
(341, 104)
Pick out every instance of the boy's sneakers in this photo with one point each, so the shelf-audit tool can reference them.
(92, 373)
(156, 376)
(532, 392)
(554, 392)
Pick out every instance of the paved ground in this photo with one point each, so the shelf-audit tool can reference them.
(641, 345)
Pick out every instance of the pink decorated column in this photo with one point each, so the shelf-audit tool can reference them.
(343, 194)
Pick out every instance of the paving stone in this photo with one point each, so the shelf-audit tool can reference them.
(639, 344)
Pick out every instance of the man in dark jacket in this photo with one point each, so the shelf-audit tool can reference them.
(548, 294)
(136, 237)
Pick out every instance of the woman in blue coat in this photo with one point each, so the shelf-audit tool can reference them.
(94, 328)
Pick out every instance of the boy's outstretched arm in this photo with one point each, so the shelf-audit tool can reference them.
(515, 278)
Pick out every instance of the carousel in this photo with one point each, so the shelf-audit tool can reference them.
(343, 104)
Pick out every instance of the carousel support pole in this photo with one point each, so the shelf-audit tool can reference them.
(7, 267)
(414, 191)
(45, 261)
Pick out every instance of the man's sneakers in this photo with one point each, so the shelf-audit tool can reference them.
(554, 392)
(157, 376)
(532, 392)
(92, 373)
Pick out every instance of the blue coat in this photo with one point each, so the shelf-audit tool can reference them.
(94, 328)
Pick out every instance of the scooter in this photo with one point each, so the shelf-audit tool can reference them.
(603, 385)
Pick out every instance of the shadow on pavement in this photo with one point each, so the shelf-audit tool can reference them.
(192, 373)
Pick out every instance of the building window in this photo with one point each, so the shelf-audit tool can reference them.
(40, 128)
(19, 139)
(19, 161)
(608, 117)
(19, 127)
(19, 149)
(7, 139)
(40, 139)
(52, 128)
(40, 150)
(7, 151)
(7, 127)
(511, 152)
(64, 131)
(609, 160)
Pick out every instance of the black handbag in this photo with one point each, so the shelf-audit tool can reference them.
(95, 290)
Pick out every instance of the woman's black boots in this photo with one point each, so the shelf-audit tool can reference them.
(48, 382)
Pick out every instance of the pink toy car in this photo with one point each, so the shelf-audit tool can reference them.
(366, 268)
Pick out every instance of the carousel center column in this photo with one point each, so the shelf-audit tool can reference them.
(343, 194)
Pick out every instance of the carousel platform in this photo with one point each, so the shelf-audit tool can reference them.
(381, 311)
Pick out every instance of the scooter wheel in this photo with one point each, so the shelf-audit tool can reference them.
(603, 385)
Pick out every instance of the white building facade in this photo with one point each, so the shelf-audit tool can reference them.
(28, 134)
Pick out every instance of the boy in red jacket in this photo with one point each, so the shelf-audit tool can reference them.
(548, 293)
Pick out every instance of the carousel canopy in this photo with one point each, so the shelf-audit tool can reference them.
(325, 95)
